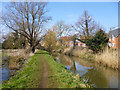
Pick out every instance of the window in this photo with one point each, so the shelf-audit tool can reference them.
(109, 44)
(109, 39)
(113, 38)
(113, 44)
(84, 45)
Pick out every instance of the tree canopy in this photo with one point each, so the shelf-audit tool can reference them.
(50, 41)
(98, 42)
(85, 25)
(28, 19)
(14, 41)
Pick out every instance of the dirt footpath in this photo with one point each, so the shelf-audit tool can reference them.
(44, 78)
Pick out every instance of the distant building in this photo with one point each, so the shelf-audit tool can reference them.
(79, 43)
(69, 42)
(114, 38)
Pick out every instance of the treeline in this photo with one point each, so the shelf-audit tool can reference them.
(28, 23)
(14, 41)
(87, 31)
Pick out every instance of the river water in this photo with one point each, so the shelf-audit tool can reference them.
(101, 76)
(96, 74)
(5, 71)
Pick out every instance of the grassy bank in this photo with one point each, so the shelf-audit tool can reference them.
(28, 77)
(58, 76)
(14, 58)
(108, 58)
(83, 53)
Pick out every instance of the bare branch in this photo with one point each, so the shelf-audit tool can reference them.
(28, 18)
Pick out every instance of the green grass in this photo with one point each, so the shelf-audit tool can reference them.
(29, 77)
(58, 76)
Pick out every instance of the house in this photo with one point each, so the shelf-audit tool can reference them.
(69, 42)
(114, 38)
(79, 43)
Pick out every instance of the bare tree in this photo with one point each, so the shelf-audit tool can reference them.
(28, 18)
(61, 29)
(86, 25)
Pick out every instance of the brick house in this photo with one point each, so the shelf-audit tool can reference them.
(114, 38)
(80, 44)
(69, 42)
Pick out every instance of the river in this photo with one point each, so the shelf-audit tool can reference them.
(5, 71)
(96, 74)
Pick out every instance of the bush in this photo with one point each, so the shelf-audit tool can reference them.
(108, 58)
(98, 42)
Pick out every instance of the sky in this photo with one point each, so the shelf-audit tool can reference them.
(103, 13)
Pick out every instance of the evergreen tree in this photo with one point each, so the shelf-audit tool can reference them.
(98, 42)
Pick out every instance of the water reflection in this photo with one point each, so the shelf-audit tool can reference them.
(5, 74)
(100, 76)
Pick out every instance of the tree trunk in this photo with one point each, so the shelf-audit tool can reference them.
(74, 41)
(33, 49)
(87, 31)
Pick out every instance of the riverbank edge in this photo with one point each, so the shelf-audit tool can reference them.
(92, 57)
(58, 74)
(23, 78)
(63, 78)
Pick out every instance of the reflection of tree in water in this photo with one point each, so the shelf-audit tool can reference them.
(66, 60)
(82, 62)
(100, 76)
(73, 67)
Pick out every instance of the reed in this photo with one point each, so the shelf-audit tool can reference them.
(81, 52)
(108, 58)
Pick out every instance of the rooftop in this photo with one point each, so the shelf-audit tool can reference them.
(115, 32)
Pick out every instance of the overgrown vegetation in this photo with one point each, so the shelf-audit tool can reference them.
(81, 52)
(84, 53)
(97, 42)
(109, 58)
(14, 58)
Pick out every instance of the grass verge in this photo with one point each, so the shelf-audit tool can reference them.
(107, 58)
(60, 77)
(28, 77)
